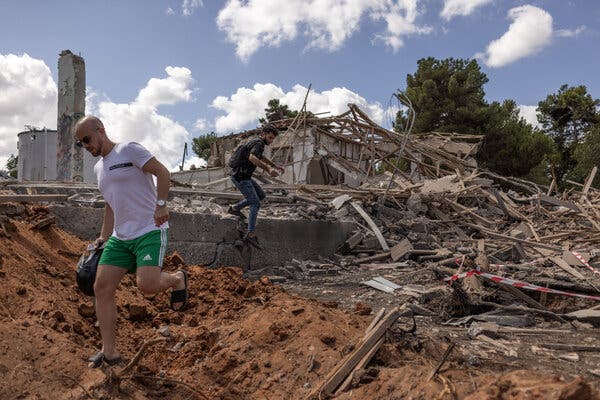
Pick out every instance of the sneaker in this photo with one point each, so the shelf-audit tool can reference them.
(252, 240)
(236, 212)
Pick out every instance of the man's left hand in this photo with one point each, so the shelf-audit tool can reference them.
(161, 215)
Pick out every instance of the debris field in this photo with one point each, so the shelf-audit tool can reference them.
(456, 284)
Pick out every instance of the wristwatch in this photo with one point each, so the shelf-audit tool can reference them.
(161, 203)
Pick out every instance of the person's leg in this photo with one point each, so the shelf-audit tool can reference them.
(244, 202)
(257, 195)
(247, 187)
(150, 252)
(105, 286)
(151, 280)
(259, 191)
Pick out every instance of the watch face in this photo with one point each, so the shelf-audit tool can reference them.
(160, 203)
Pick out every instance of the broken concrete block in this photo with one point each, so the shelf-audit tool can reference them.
(415, 204)
(339, 201)
(448, 183)
(277, 278)
(483, 328)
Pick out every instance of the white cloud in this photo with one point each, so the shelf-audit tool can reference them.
(193, 160)
(453, 8)
(140, 121)
(327, 24)
(188, 6)
(28, 95)
(529, 33)
(201, 124)
(570, 32)
(170, 11)
(169, 90)
(400, 20)
(529, 114)
(246, 106)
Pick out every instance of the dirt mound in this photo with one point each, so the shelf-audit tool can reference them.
(237, 339)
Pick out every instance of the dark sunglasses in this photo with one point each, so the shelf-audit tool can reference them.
(84, 140)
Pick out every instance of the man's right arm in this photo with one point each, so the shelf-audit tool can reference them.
(260, 163)
(108, 222)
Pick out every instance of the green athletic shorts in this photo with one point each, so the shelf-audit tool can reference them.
(147, 250)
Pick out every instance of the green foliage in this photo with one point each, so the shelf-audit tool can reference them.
(11, 165)
(400, 163)
(201, 144)
(447, 96)
(511, 146)
(568, 116)
(540, 173)
(587, 155)
(276, 111)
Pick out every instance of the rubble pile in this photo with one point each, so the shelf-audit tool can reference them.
(457, 283)
(243, 339)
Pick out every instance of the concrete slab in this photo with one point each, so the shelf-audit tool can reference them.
(210, 239)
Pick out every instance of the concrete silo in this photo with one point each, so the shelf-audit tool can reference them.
(37, 157)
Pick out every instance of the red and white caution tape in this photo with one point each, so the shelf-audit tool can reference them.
(584, 262)
(519, 284)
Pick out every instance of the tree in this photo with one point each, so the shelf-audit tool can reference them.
(201, 144)
(511, 146)
(587, 155)
(568, 116)
(12, 165)
(447, 96)
(276, 111)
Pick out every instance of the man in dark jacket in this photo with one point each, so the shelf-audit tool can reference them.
(243, 162)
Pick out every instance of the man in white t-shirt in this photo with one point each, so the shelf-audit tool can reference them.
(134, 228)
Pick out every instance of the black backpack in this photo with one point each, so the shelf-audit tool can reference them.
(86, 271)
(242, 153)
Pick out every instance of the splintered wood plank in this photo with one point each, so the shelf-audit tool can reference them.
(402, 248)
(589, 181)
(341, 371)
(557, 202)
(565, 266)
(372, 225)
(354, 240)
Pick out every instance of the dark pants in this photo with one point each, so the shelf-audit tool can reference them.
(253, 195)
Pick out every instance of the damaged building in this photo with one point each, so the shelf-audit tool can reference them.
(349, 149)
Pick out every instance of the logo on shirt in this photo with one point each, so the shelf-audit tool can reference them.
(122, 165)
(147, 258)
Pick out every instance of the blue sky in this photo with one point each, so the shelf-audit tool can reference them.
(162, 72)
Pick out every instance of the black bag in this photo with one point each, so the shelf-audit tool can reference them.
(241, 153)
(86, 271)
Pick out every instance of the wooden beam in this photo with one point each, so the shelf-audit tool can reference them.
(375, 257)
(513, 239)
(338, 374)
(557, 202)
(589, 181)
(374, 227)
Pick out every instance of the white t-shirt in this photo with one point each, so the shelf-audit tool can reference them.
(128, 190)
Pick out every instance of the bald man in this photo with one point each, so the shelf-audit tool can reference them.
(134, 228)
